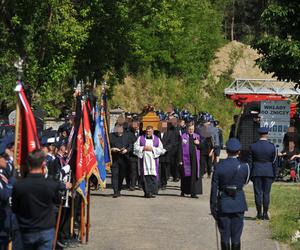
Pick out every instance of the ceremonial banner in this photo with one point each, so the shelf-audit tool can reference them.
(26, 139)
(89, 154)
(99, 147)
(80, 169)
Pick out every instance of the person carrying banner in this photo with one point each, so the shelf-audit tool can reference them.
(39, 196)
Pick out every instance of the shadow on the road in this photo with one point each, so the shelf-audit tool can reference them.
(103, 195)
(133, 195)
(159, 194)
(249, 218)
(172, 188)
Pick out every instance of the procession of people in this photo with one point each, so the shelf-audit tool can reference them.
(180, 147)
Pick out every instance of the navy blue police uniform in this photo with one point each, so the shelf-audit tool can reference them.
(227, 198)
(8, 223)
(262, 156)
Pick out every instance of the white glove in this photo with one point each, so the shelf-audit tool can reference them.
(66, 169)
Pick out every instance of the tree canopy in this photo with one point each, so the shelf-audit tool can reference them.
(280, 45)
(90, 38)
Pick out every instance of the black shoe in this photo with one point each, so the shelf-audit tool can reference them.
(266, 216)
(236, 246)
(152, 196)
(259, 214)
(147, 195)
(131, 189)
(182, 194)
(194, 196)
(225, 246)
(115, 196)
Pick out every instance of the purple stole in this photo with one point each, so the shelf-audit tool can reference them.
(186, 155)
(155, 144)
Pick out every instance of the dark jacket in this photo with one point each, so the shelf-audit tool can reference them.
(6, 215)
(33, 201)
(168, 144)
(226, 174)
(262, 155)
(132, 139)
(175, 133)
(122, 141)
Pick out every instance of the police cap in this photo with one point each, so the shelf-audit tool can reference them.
(263, 130)
(233, 145)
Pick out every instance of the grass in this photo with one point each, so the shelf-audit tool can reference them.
(284, 210)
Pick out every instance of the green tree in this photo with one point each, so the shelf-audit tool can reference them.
(48, 35)
(280, 46)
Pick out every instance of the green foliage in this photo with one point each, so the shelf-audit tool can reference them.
(161, 91)
(48, 35)
(242, 18)
(284, 212)
(280, 47)
(174, 37)
(59, 39)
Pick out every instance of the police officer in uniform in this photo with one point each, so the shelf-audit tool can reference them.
(261, 159)
(8, 224)
(227, 198)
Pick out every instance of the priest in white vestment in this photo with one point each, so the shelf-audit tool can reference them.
(148, 148)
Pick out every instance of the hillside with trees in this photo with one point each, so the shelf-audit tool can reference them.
(164, 47)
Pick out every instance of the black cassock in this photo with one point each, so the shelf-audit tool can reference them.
(190, 184)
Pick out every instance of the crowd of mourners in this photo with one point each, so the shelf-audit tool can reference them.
(148, 157)
(181, 147)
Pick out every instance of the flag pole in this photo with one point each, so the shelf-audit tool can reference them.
(82, 222)
(57, 225)
(73, 178)
(19, 67)
(88, 212)
(72, 214)
(17, 128)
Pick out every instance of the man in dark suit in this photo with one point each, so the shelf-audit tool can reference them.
(227, 198)
(175, 130)
(133, 159)
(120, 147)
(262, 156)
(164, 160)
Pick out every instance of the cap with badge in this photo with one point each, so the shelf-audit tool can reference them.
(233, 145)
(263, 130)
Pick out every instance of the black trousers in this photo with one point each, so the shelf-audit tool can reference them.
(133, 176)
(262, 188)
(174, 166)
(118, 172)
(64, 226)
(206, 164)
(149, 184)
(231, 227)
(163, 173)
